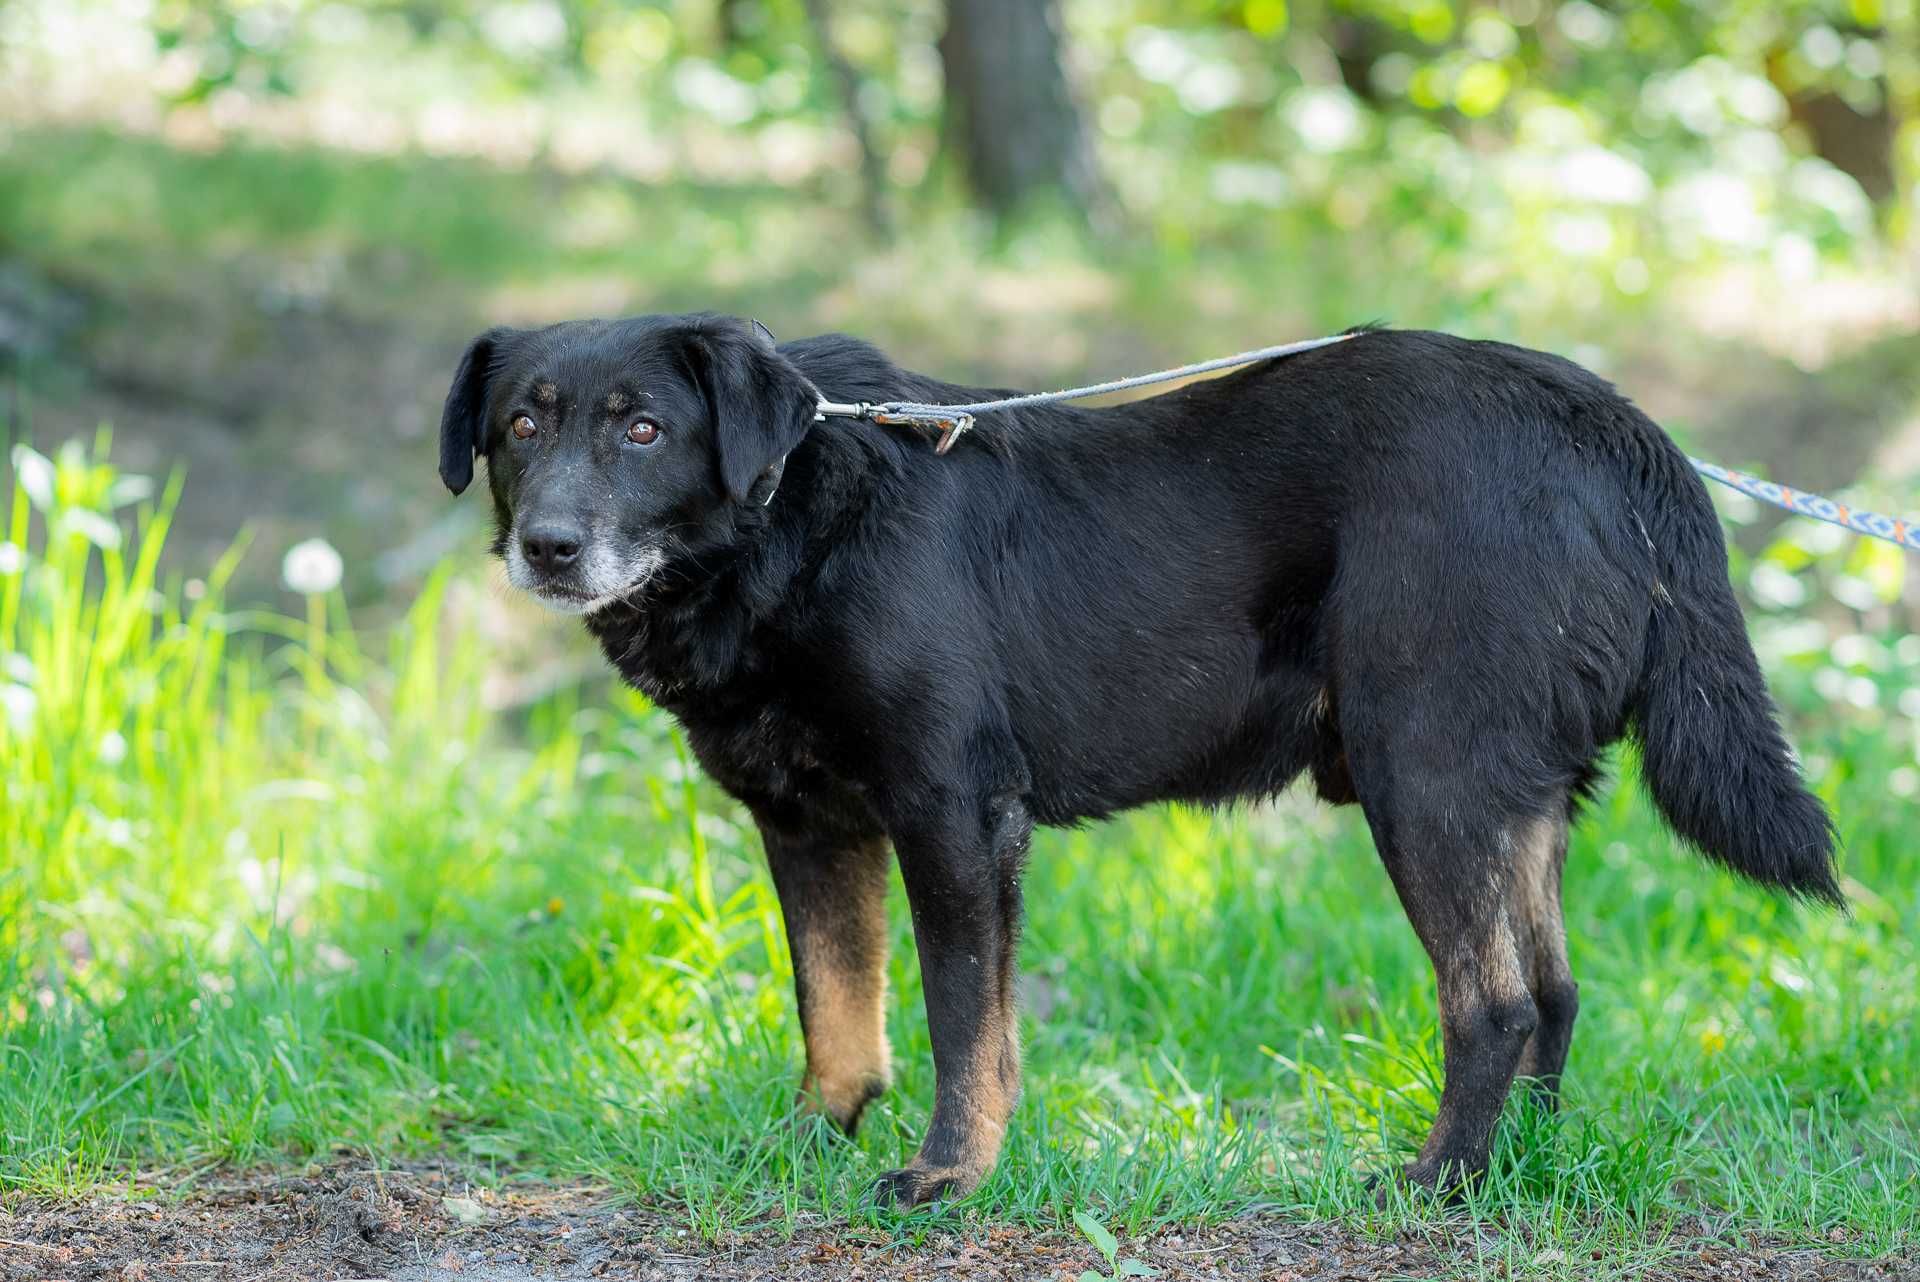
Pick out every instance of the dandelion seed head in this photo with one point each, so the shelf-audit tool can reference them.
(312, 567)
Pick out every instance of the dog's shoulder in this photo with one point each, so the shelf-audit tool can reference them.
(844, 367)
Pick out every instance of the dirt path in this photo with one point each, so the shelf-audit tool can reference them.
(425, 1224)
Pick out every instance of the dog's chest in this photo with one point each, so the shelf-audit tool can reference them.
(750, 732)
(766, 750)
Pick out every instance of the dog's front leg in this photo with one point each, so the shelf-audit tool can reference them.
(962, 875)
(833, 895)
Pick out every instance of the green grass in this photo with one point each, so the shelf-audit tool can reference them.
(274, 888)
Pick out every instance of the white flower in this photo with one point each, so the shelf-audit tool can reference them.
(34, 472)
(17, 703)
(12, 559)
(113, 748)
(129, 489)
(90, 525)
(311, 567)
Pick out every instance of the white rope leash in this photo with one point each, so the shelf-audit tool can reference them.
(952, 420)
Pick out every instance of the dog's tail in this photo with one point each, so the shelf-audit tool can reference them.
(1711, 750)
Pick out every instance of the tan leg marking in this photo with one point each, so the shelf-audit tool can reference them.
(1539, 853)
(844, 1015)
(840, 960)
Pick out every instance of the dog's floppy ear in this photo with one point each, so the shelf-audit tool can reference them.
(762, 405)
(463, 420)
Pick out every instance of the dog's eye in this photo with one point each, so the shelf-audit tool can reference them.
(523, 427)
(643, 431)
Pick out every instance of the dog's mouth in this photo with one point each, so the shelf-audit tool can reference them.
(562, 599)
(605, 586)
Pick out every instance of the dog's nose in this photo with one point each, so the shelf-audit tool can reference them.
(551, 546)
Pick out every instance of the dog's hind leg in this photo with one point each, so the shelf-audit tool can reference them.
(1450, 870)
(1471, 682)
(1539, 854)
(833, 895)
(962, 874)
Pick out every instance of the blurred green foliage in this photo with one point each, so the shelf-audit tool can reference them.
(1470, 61)
(1750, 116)
(1497, 167)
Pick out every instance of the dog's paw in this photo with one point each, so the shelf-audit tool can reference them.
(842, 1107)
(816, 1130)
(912, 1186)
(1445, 1181)
(1421, 1181)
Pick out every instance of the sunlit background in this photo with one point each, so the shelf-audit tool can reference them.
(252, 235)
(287, 775)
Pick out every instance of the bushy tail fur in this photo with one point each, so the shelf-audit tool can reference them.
(1711, 749)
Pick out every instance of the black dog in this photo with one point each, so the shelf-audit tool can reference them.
(1439, 575)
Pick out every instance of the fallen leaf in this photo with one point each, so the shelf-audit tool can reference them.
(465, 1210)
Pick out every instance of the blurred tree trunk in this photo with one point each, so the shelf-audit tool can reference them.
(1859, 144)
(1358, 44)
(1009, 109)
(873, 168)
(733, 25)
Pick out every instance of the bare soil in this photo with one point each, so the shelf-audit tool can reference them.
(425, 1223)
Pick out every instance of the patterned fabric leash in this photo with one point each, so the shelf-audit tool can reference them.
(1877, 525)
(953, 420)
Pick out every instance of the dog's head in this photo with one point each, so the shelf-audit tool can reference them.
(610, 445)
